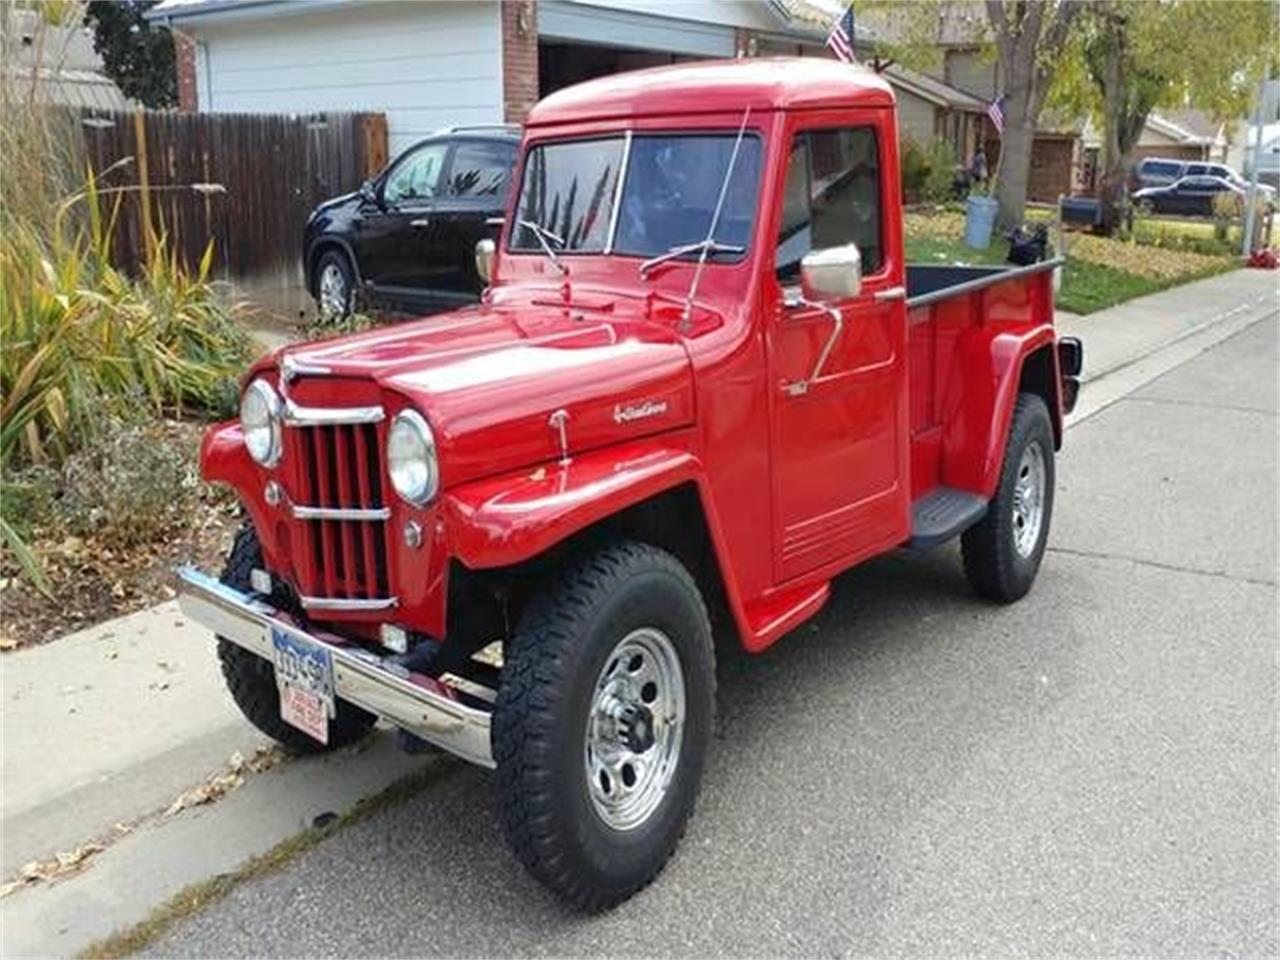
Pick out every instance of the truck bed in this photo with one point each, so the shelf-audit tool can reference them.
(928, 282)
(949, 312)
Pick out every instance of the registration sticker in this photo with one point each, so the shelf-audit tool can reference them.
(304, 673)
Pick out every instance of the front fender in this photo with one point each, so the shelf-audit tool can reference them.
(500, 521)
(225, 459)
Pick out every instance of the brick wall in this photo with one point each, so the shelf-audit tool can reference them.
(519, 59)
(184, 55)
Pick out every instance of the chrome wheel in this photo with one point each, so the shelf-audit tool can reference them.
(1028, 499)
(333, 292)
(634, 729)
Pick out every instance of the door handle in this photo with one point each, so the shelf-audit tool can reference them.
(892, 293)
(420, 222)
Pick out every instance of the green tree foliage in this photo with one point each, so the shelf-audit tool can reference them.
(1025, 39)
(136, 54)
(1131, 57)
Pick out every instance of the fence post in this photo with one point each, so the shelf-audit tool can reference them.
(373, 127)
(144, 181)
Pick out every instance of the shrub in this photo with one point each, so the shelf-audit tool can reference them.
(129, 485)
(928, 173)
(80, 335)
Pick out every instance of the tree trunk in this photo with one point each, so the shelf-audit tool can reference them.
(1026, 45)
(1014, 173)
(1126, 103)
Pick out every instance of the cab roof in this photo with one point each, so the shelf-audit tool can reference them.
(717, 86)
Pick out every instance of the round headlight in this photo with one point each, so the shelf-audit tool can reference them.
(260, 416)
(411, 458)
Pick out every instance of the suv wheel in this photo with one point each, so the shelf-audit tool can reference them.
(602, 722)
(334, 285)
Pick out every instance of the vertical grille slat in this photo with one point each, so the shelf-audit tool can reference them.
(365, 485)
(339, 466)
(343, 463)
(329, 564)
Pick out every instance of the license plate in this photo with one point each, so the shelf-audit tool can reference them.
(304, 673)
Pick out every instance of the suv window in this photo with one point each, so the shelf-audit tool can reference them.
(1160, 168)
(417, 175)
(831, 197)
(1196, 170)
(481, 169)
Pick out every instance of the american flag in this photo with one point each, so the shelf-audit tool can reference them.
(995, 110)
(840, 39)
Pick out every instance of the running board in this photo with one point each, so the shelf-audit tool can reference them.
(943, 515)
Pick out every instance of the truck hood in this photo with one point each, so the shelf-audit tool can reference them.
(490, 379)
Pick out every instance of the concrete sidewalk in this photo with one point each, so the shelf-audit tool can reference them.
(1123, 334)
(110, 724)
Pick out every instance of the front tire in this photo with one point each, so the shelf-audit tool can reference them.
(602, 723)
(335, 286)
(1002, 552)
(252, 680)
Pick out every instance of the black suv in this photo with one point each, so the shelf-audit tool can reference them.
(406, 239)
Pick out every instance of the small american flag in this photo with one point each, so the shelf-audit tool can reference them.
(840, 39)
(995, 110)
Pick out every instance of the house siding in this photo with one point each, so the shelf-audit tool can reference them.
(972, 72)
(916, 118)
(425, 65)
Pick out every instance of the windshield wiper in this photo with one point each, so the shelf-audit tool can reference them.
(698, 246)
(545, 237)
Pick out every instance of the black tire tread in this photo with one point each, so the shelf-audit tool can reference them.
(536, 663)
(986, 546)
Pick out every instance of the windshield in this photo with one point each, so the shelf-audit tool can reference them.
(667, 200)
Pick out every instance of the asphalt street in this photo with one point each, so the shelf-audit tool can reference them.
(1092, 771)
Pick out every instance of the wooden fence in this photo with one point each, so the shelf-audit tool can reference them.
(246, 181)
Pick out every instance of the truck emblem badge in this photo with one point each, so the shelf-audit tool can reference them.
(650, 408)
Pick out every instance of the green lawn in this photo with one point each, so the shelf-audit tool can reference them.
(1100, 272)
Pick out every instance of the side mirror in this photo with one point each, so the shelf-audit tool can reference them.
(485, 250)
(834, 273)
(369, 193)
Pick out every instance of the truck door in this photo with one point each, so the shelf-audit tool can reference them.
(839, 437)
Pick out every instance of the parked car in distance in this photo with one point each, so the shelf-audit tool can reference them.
(1193, 196)
(701, 383)
(1156, 172)
(1160, 172)
(1228, 174)
(406, 239)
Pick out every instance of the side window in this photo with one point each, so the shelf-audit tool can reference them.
(832, 197)
(481, 169)
(1194, 170)
(417, 176)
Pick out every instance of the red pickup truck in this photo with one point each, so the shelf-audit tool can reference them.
(702, 382)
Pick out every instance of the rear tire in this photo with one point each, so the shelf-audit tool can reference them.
(252, 680)
(602, 723)
(1002, 552)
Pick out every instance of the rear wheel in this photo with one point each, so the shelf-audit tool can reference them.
(252, 680)
(1002, 553)
(602, 722)
(335, 285)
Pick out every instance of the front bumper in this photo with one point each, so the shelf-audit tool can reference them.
(422, 705)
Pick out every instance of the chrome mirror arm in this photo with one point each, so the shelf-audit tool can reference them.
(794, 298)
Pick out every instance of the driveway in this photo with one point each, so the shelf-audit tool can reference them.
(1091, 771)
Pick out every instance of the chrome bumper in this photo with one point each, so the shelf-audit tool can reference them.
(419, 704)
